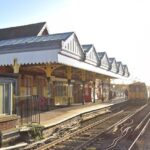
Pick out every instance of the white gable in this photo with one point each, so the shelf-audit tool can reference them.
(120, 69)
(72, 48)
(126, 73)
(105, 62)
(114, 66)
(91, 57)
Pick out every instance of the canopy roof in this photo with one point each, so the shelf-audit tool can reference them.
(36, 29)
(61, 48)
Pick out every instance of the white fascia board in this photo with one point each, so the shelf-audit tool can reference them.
(113, 70)
(104, 67)
(66, 52)
(82, 65)
(30, 57)
(91, 62)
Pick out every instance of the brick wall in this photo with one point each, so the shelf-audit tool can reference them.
(8, 122)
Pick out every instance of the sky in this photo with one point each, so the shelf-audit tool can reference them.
(119, 27)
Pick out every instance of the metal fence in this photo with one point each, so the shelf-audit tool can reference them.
(28, 108)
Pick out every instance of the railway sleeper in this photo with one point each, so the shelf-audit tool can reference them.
(69, 142)
(92, 134)
(58, 147)
(64, 147)
(87, 137)
(71, 145)
(80, 138)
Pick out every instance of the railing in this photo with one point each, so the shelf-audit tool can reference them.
(28, 108)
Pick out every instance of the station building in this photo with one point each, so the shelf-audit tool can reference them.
(39, 70)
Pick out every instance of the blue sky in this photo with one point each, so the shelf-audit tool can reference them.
(18, 12)
(119, 27)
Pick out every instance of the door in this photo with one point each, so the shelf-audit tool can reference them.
(5, 98)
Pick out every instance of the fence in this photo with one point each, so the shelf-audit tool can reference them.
(28, 108)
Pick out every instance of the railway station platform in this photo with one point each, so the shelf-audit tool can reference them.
(54, 117)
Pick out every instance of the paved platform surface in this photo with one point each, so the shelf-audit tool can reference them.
(57, 116)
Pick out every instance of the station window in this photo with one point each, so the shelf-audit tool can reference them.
(28, 82)
(40, 86)
(60, 89)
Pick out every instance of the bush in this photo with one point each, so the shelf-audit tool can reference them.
(36, 131)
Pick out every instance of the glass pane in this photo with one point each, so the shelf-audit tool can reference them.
(6, 105)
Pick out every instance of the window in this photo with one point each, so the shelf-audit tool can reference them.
(28, 82)
(5, 98)
(60, 89)
(40, 86)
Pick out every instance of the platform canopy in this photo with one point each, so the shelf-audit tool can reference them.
(62, 48)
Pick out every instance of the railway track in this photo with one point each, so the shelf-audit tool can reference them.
(125, 135)
(84, 137)
(142, 139)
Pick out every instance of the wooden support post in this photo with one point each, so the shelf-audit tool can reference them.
(110, 92)
(93, 91)
(83, 85)
(49, 68)
(69, 75)
(16, 68)
(69, 92)
(83, 92)
(94, 77)
(48, 71)
(69, 72)
(102, 82)
(16, 94)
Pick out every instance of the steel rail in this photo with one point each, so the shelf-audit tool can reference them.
(123, 134)
(29, 146)
(77, 132)
(64, 138)
(87, 143)
(142, 131)
(114, 143)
